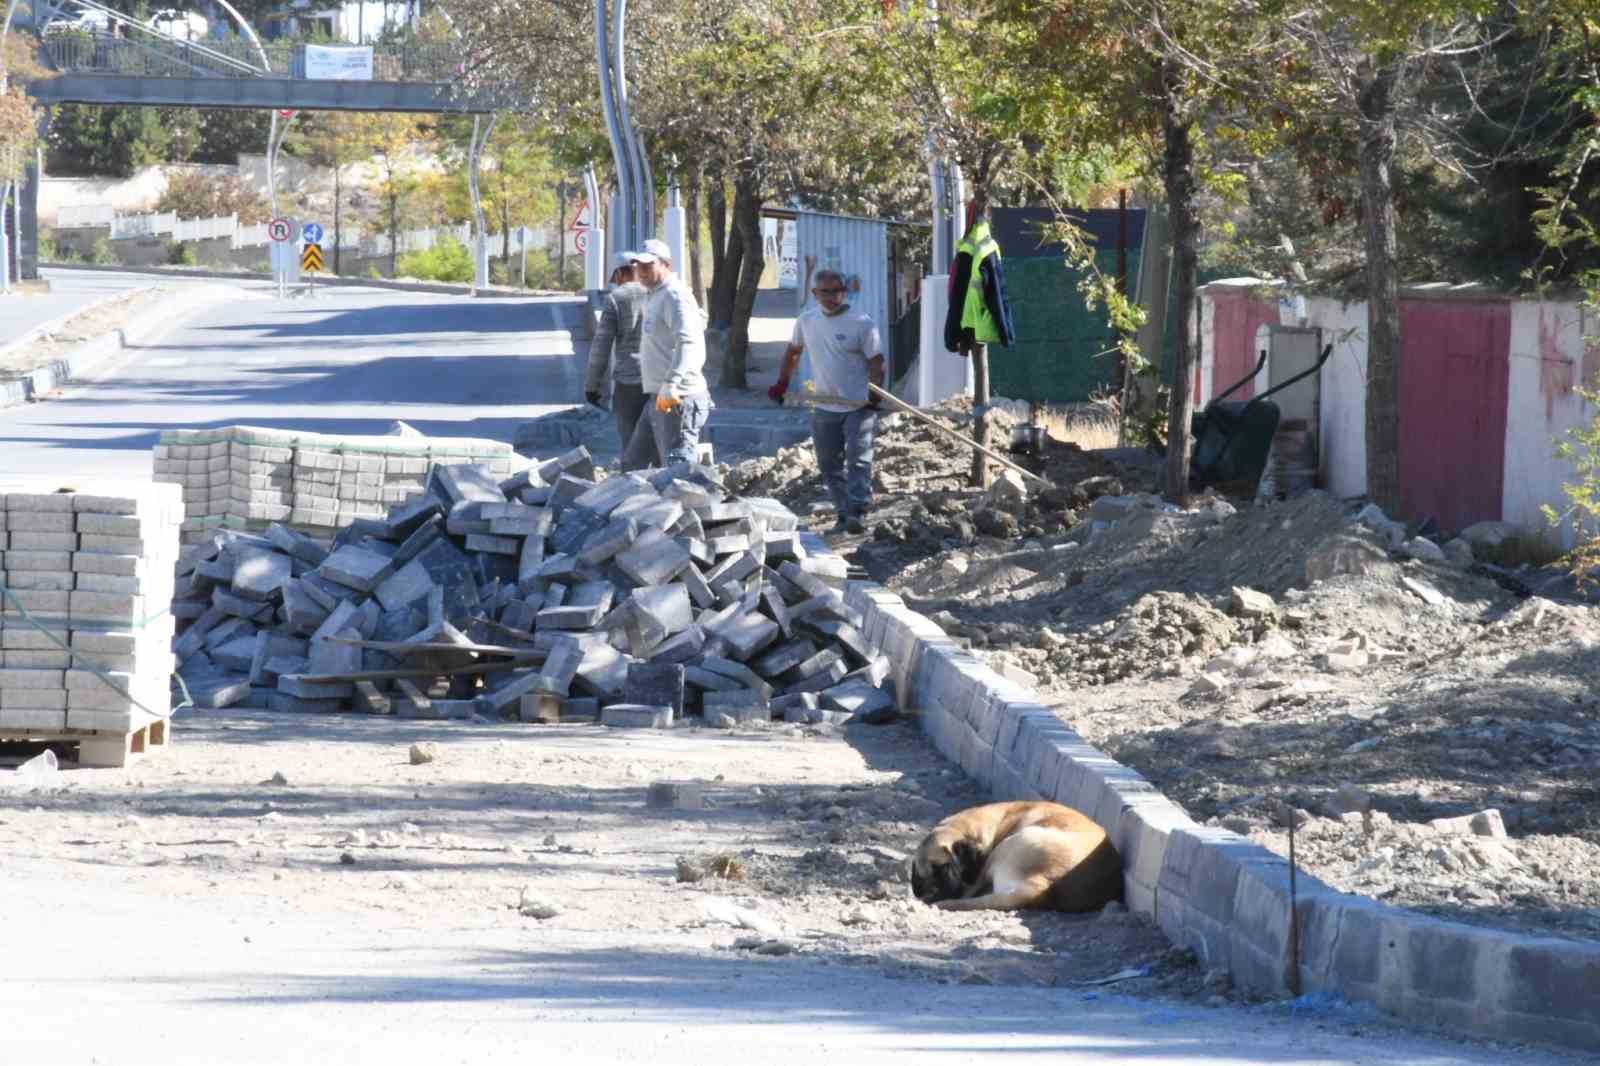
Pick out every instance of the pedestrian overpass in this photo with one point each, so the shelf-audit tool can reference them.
(128, 63)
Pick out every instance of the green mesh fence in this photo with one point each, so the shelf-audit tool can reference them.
(1061, 351)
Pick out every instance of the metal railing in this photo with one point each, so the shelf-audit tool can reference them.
(79, 52)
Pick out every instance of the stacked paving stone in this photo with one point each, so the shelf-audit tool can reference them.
(545, 596)
(88, 566)
(246, 477)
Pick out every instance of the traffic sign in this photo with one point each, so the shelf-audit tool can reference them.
(311, 257)
(580, 241)
(311, 233)
(584, 218)
(280, 229)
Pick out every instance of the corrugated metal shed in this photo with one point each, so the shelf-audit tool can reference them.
(858, 248)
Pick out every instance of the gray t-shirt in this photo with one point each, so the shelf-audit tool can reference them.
(838, 347)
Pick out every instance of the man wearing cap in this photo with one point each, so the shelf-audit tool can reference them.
(615, 351)
(672, 361)
(845, 355)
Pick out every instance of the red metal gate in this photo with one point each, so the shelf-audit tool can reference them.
(1236, 316)
(1455, 371)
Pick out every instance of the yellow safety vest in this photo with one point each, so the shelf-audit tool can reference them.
(975, 312)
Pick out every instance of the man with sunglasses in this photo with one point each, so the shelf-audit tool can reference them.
(845, 355)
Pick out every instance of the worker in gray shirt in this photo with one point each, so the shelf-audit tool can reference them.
(672, 363)
(614, 351)
(846, 355)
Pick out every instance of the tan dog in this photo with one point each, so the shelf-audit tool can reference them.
(1012, 856)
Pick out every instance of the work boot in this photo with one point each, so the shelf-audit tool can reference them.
(854, 524)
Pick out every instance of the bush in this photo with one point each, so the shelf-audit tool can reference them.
(447, 260)
(47, 250)
(181, 253)
(100, 252)
(191, 194)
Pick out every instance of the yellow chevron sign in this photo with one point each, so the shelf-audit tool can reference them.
(311, 257)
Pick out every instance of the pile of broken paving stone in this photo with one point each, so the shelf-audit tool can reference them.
(548, 596)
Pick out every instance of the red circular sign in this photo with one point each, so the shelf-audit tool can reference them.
(279, 229)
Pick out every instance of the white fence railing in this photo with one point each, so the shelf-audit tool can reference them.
(124, 226)
(250, 236)
(205, 229)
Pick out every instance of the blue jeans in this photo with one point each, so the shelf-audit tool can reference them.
(844, 454)
(664, 438)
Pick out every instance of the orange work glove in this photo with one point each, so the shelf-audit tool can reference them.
(665, 403)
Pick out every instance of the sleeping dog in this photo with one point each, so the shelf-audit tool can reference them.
(1012, 856)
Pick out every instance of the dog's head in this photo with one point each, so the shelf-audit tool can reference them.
(945, 866)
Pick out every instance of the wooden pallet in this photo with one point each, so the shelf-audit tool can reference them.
(99, 748)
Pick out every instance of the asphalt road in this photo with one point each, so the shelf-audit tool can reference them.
(70, 291)
(351, 360)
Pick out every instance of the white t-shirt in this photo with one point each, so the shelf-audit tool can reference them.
(838, 347)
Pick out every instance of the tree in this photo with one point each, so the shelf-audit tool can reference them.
(191, 194)
(980, 108)
(19, 119)
(1379, 61)
(393, 141)
(752, 97)
(336, 140)
(519, 175)
(1183, 79)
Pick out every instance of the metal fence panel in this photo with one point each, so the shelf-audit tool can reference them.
(856, 247)
(1061, 354)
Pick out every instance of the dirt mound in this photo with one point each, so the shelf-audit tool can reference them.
(920, 478)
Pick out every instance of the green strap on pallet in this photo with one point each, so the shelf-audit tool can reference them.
(188, 700)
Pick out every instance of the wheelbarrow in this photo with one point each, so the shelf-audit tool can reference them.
(1233, 438)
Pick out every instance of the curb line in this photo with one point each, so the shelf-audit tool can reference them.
(81, 359)
(30, 335)
(1216, 893)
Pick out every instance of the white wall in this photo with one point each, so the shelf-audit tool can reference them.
(1342, 435)
(939, 374)
(1547, 361)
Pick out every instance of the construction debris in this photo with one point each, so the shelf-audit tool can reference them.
(543, 596)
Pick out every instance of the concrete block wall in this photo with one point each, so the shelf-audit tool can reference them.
(1216, 893)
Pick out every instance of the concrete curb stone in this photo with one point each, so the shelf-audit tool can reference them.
(1216, 893)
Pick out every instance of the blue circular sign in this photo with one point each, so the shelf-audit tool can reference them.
(311, 233)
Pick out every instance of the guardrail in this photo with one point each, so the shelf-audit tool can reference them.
(79, 52)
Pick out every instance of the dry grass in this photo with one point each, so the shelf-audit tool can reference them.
(1088, 426)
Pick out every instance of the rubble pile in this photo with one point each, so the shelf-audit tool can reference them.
(544, 596)
(85, 633)
(245, 477)
(921, 479)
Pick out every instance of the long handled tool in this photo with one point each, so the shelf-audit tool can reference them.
(947, 431)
